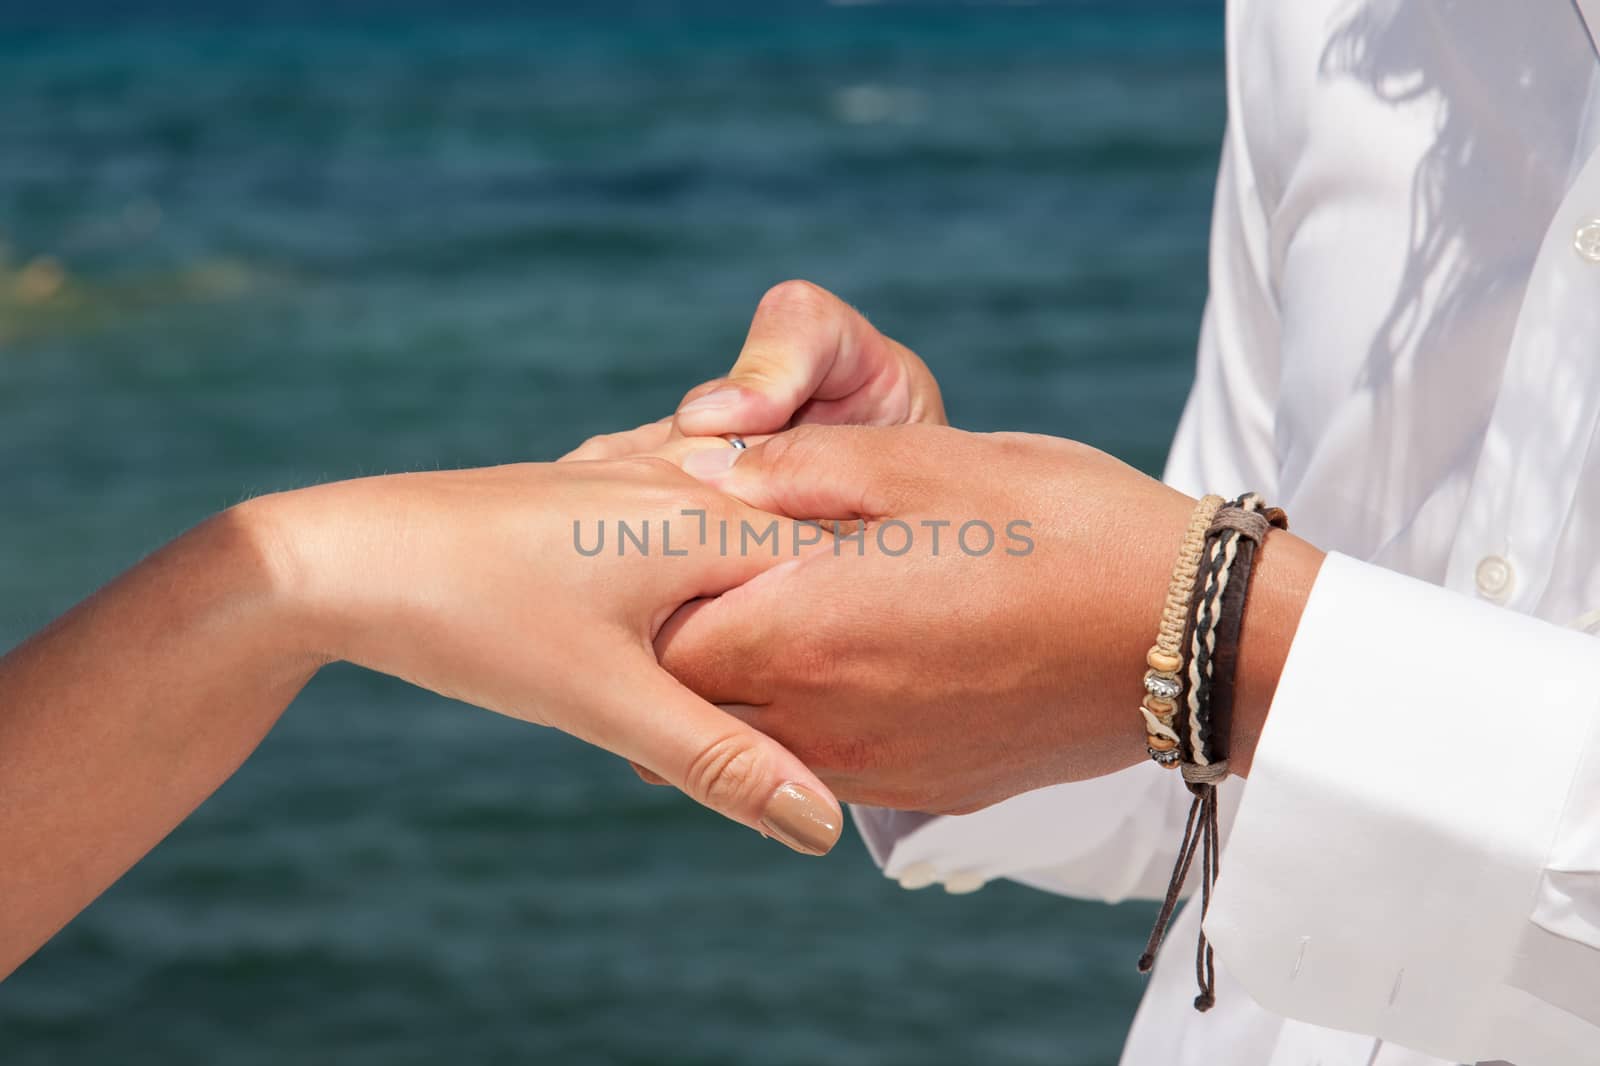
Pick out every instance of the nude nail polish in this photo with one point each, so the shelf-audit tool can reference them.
(713, 401)
(709, 462)
(802, 821)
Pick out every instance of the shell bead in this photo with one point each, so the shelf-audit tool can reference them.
(1163, 662)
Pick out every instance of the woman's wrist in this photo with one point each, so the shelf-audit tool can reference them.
(272, 546)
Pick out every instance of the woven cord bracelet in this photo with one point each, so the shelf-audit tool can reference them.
(1162, 684)
(1202, 722)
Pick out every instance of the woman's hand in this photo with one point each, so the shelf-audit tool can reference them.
(536, 591)
(984, 636)
(809, 358)
(122, 716)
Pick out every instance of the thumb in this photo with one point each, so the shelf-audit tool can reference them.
(822, 472)
(719, 761)
(804, 344)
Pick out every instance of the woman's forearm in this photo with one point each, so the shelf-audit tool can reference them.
(126, 713)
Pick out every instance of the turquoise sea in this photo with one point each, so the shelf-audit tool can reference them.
(247, 247)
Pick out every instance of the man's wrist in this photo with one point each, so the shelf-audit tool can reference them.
(1285, 569)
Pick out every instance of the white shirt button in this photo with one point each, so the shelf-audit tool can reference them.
(965, 882)
(1587, 242)
(1495, 578)
(918, 875)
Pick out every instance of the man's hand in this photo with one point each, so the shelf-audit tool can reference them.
(1008, 656)
(809, 358)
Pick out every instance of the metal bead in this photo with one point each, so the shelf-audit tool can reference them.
(1160, 707)
(1162, 685)
(1165, 759)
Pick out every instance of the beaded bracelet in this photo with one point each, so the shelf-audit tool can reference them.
(1162, 684)
(1218, 584)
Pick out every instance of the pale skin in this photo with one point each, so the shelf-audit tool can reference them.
(126, 713)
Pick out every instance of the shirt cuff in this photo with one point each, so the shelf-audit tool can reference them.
(1402, 804)
(1110, 838)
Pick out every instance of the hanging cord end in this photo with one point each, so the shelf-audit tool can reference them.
(1188, 708)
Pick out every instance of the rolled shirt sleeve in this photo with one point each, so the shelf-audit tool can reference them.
(1418, 855)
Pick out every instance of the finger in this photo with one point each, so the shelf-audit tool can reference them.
(723, 547)
(677, 447)
(649, 777)
(721, 648)
(717, 760)
(804, 345)
(825, 472)
(645, 438)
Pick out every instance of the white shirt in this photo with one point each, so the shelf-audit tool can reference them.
(1402, 348)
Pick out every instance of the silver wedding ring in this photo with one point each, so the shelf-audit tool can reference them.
(736, 441)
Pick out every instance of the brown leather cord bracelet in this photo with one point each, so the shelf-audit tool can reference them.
(1202, 721)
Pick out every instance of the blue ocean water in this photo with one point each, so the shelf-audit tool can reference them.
(249, 247)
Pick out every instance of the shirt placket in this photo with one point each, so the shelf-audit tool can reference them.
(1544, 418)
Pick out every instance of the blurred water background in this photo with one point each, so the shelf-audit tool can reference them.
(243, 248)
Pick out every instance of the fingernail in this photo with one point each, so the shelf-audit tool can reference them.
(801, 820)
(713, 401)
(709, 462)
